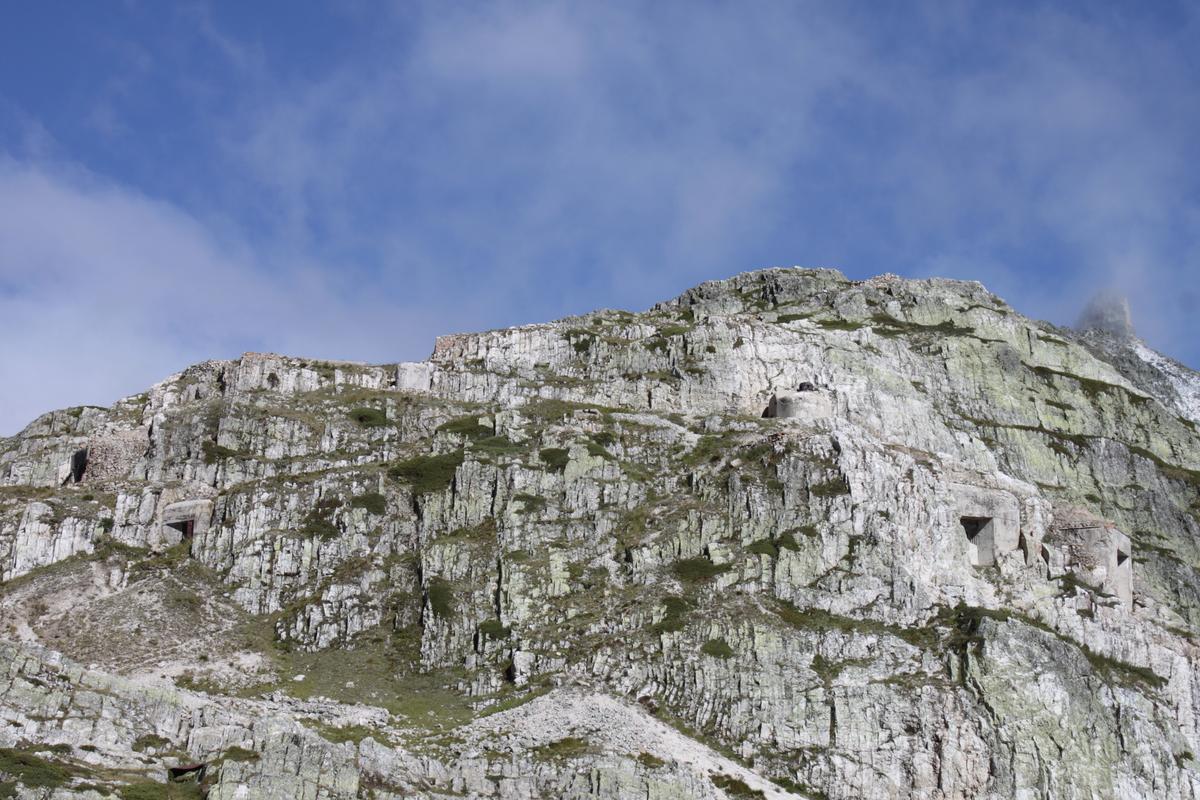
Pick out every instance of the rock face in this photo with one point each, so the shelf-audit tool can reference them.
(787, 535)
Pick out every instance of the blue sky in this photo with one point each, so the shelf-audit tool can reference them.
(182, 181)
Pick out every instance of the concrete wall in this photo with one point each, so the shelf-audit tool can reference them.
(198, 510)
(1002, 534)
(805, 406)
(1097, 556)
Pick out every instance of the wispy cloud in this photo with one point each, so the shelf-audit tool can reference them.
(470, 166)
(104, 290)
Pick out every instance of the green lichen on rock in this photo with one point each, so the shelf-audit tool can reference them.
(579, 548)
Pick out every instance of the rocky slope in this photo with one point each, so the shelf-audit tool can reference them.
(576, 560)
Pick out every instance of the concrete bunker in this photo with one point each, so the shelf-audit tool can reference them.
(982, 546)
(73, 469)
(990, 520)
(805, 403)
(79, 464)
(187, 772)
(1095, 554)
(183, 521)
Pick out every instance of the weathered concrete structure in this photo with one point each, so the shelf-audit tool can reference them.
(73, 469)
(186, 519)
(806, 405)
(990, 521)
(1097, 555)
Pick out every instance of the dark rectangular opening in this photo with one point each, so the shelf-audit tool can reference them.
(973, 526)
(979, 535)
(186, 528)
(79, 462)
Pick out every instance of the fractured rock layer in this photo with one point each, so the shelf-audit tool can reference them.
(786, 534)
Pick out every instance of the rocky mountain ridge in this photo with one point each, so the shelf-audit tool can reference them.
(786, 534)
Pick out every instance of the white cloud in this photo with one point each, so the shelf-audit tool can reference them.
(522, 161)
(104, 291)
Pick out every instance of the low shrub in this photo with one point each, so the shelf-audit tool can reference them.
(736, 788)
(34, 772)
(368, 417)
(691, 570)
(494, 629)
(556, 458)
(567, 747)
(373, 502)
(530, 503)
(675, 617)
(470, 427)
(717, 648)
(428, 473)
(441, 598)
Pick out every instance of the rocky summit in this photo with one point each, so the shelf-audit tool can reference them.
(787, 535)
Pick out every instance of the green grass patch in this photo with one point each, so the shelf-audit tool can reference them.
(441, 598)
(240, 754)
(819, 620)
(383, 669)
(597, 450)
(604, 438)
(318, 522)
(692, 570)
(581, 340)
(428, 473)
(717, 648)
(348, 733)
(830, 488)
(33, 771)
(736, 788)
(215, 453)
(150, 741)
(470, 427)
(708, 450)
(892, 327)
(368, 417)
(655, 344)
(515, 701)
(1123, 672)
(556, 410)
(483, 533)
(530, 503)
(840, 324)
(675, 616)
(565, 748)
(153, 790)
(373, 502)
(497, 446)
(787, 541)
(764, 547)
(555, 458)
(494, 629)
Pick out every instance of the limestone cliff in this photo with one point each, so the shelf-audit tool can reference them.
(787, 535)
